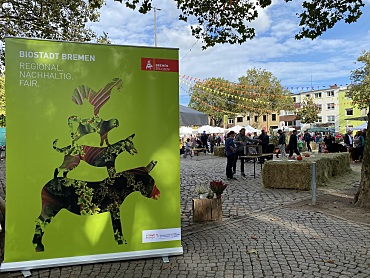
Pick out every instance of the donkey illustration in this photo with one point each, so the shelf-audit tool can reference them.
(91, 198)
(95, 156)
(91, 125)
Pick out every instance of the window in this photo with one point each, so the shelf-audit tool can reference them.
(294, 99)
(256, 118)
(330, 93)
(264, 118)
(248, 118)
(318, 95)
(349, 112)
(331, 119)
(230, 121)
(239, 119)
(319, 120)
(307, 96)
(320, 106)
(330, 106)
(273, 117)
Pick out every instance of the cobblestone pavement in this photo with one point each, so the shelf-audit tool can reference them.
(258, 237)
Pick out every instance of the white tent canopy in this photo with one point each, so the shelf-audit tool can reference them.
(360, 127)
(236, 128)
(210, 129)
(249, 128)
(186, 130)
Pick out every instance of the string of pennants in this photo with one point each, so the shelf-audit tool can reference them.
(238, 91)
(250, 87)
(248, 108)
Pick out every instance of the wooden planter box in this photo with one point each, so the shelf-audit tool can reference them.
(207, 210)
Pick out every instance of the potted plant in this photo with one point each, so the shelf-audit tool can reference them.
(218, 187)
(202, 191)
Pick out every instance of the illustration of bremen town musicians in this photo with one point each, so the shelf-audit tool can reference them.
(90, 198)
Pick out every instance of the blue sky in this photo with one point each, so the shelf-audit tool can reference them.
(321, 62)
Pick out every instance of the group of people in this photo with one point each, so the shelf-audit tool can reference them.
(355, 144)
(204, 141)
(235, 145)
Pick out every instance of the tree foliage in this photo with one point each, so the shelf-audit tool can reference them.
(308, 113)
(359, 92)
(47, 19)
(205, 100)
(258, 92)
(228, 21)
(267, 92)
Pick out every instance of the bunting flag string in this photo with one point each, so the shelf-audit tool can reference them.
(245, 87)
(234, 89)
(248, 108)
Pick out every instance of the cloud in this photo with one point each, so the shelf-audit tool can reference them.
(326, 60)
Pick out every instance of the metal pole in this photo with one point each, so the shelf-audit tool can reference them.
(313, 187)
(155, 27)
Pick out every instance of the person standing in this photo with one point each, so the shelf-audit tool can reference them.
(212, 142)
(241, 140)
(358, 142)
(348, 142)
(204, 139)
(230, 150)
(188, 148)
(293, 144)
(264, 140)
(307, 138)
(281, 144)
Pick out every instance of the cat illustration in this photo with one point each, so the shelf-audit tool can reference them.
(95, 156)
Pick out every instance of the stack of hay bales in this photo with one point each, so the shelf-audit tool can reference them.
(298, 174)
(219, 150)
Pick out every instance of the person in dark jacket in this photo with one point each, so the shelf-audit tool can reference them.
(293, 144)
(264, 141)
(307, 138)
(241, 140)
(281, 144)
(204, 139)
(230, 150)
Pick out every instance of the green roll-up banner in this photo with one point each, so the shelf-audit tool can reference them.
(92, 170)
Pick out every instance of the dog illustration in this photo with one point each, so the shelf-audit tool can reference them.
(91, 198)
(95, 156)
(91, 125)
(97, 99)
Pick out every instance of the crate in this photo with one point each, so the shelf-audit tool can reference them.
(251, 150)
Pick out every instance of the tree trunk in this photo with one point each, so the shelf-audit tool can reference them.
(362, 197)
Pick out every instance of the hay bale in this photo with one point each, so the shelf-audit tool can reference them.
(298, 174)
(219, 150)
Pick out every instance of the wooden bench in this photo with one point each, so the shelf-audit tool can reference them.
(197, 150)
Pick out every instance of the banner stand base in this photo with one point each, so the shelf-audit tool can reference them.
(26, 273)
(101, 258)
(165, 259)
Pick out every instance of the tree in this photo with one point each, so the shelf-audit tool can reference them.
(359, 92)
(266, 94)
(47, 19)
(308, 113)
(210, 98)
(227, 21)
